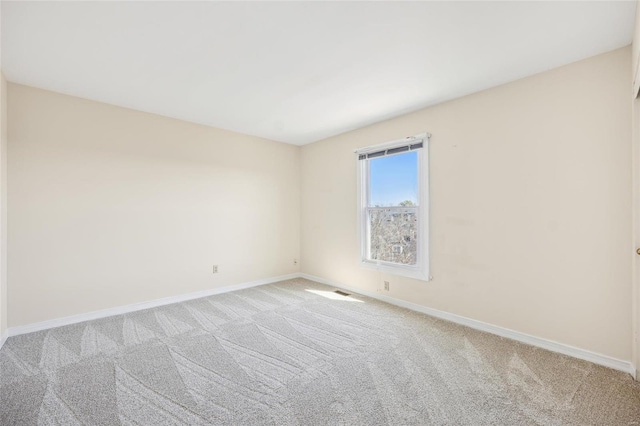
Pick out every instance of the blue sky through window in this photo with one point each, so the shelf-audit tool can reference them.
(393, 179)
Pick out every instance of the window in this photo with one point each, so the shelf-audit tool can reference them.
(393, 207)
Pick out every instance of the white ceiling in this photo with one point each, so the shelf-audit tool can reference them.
(296, 72)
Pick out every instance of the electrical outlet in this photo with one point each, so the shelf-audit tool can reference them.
(295, 262)
(386, 285)
(215, 269)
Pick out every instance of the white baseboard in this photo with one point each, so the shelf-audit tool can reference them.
(3, 338)
(550, 345)
(74, 319)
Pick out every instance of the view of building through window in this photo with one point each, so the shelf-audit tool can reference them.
(393, 208)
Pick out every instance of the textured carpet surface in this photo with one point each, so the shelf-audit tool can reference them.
(294, 353)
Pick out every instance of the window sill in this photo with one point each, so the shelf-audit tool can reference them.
(405, 271)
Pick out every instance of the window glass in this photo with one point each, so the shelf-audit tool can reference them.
(393, 235)
(393, 180)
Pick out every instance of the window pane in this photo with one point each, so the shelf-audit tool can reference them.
(393, 180)
(392, 235)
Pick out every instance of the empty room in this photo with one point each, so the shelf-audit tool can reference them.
(319, 213)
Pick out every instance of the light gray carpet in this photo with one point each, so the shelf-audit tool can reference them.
(283, 355)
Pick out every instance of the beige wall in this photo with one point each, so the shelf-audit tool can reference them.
(530, 206)
(110, 206)
(636, 199)
(3, 205)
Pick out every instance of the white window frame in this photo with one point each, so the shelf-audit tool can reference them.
(420, 270)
